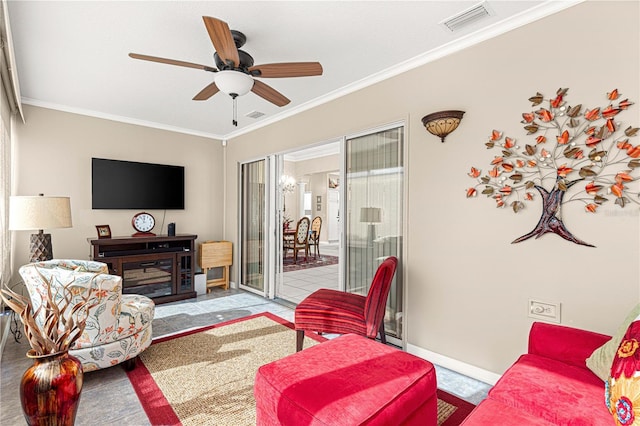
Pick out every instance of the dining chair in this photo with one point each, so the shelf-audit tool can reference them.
(333, 311)
(300, 240)
(314, 235)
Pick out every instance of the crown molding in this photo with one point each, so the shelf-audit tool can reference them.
(119, 118)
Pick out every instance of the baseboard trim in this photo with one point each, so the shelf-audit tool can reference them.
(469, 370)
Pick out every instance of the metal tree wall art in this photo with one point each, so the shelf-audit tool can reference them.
(577, 154)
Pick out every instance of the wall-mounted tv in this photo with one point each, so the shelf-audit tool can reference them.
(119, 184)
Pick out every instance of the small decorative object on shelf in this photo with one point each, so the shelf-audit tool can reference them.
(104, 231)
(50, 389)
(143, 223)
(576, 150)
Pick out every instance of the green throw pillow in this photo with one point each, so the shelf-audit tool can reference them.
(601, 359)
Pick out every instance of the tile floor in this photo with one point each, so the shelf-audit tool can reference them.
(109, 399)
(296, 285)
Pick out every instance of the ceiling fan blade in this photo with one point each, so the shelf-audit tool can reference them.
(222, 39)
(269, 93)
(207, 92)
(287, 69)
(172, 62)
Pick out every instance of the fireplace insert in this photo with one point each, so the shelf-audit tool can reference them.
(149, 277)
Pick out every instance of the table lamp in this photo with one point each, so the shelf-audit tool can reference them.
(28, 213)
(371, 215)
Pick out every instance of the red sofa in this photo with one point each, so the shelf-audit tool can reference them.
(549, 385)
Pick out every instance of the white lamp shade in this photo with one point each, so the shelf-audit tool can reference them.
(28, 213)
(234, 82)
(371, 214)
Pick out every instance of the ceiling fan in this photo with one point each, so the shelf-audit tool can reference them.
(235, 71)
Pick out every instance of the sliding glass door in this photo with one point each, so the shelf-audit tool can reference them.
(374, 212)
(372, 198)
(253, 208)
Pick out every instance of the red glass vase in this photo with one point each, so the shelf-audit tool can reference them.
(50, 389)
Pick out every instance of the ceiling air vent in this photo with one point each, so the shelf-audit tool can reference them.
(255, 114)
(467, 17)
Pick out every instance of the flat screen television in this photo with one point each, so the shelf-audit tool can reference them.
(119, 184)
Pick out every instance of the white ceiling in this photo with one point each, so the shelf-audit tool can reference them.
(73, 55)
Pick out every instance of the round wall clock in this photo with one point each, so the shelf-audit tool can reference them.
(143, 222)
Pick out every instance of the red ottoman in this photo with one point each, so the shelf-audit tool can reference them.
(349, 380)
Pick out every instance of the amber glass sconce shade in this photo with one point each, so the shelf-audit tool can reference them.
(442, 123)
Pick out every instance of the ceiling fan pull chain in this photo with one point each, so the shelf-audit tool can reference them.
(235, 111)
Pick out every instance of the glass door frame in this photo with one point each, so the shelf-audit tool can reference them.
(267, 253)
(273, 212)
(276, 278)
(273, 217)
(403, 228)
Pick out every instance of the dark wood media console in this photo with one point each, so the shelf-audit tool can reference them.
(159, 267)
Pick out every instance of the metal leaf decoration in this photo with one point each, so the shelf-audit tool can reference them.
(537, 99)
(631, 131)
(582, 153)
(574, 111)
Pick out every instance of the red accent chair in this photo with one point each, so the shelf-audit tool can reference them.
(332, 311)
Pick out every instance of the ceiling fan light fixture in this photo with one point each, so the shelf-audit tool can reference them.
(235, 72)
(234, 83)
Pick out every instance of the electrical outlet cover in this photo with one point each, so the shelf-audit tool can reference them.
(545, 311)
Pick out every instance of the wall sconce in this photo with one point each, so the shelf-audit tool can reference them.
(442, 123)
(31, 213)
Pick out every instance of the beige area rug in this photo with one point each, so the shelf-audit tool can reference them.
(206, 376)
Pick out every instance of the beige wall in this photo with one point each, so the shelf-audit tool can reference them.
(328, 163)
(53, 156)
(467, 286)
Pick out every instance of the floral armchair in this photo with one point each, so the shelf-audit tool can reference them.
(118, 327)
